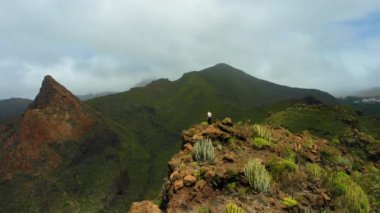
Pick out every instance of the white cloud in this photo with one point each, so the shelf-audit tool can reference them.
(92, 46)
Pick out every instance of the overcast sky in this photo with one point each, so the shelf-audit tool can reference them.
(104, 45)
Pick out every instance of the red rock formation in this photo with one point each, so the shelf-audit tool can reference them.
(55, 116)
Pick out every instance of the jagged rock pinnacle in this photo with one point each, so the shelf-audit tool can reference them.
(53, 94)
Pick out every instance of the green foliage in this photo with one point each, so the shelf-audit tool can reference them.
(315, 170)
(203, 210)
(350, 195)
(204, 123)
(278, 166)
(289, 202)
(204, 150)
(262, 132)
(258, 177)
(335, 141)
(233, 208)
(231, 186)
(343, 161)
(260, 143)
(309, 143)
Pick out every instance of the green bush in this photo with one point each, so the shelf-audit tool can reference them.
(258, 177)
(343, 161)
(289, 202)
(233, 208)
(204, 150)
(278, 166)
(350, 196)
(262, 132)
(260, 143)
(315, 170)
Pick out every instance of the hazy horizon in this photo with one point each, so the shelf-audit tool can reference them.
(95, 46)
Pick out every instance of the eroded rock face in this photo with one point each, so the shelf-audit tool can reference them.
(56, 115)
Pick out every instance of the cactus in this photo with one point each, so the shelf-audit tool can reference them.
(204, 150)
(258, 177)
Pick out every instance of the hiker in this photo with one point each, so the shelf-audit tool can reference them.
(209, 117)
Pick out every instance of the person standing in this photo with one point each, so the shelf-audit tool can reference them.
(209, 117)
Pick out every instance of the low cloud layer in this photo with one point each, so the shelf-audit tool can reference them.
(96, 45)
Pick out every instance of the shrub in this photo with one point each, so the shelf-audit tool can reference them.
(289, 202)
(335, 141)
(278, 166)
(231, 186)
(315, 170)
(204, 150)
(258, 177)
(262, 132)
(351, 196)
(343, 161)
(233, 208)
(260, 143)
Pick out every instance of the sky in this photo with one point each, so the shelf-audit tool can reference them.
(111, 45)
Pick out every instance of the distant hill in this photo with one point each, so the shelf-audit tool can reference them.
(93, 95)
(373, 92)
(12, 108)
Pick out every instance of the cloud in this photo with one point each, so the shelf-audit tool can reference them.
(93, 46)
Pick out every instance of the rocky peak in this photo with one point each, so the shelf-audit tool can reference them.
(53, 94)
(55, 116)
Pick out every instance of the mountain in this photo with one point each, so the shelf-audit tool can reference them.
(158, 112)
(63, 156)
(12, 108)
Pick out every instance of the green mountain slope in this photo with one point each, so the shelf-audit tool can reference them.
(158, 113)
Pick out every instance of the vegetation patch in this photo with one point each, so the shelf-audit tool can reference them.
(350, 196)
(315, 170)
(261, 131)
(204, 150)
(278, 166)
(233, 208)
(289, 202)
(261, 143)
(258, 177)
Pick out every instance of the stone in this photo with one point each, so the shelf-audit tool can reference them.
(174, 176)
(228, 157)
(188, 146)
(210, 174)
(189, 180)
(178, 184)
(200, 185)
(144, 206)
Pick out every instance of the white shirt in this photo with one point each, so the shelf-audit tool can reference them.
(209, 114)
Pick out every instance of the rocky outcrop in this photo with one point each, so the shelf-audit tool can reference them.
(55, 116)
(194, 186)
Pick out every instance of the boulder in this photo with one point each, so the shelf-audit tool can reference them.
(144, 206)
(189, 180)
(178, 184)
